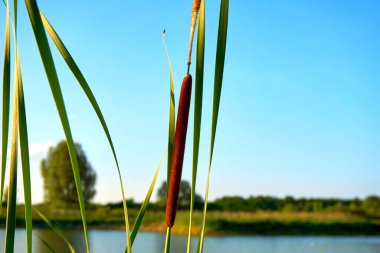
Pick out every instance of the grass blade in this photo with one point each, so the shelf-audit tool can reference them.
(199, 69)
(52, 77)
(24, 149)
(15, 12)
(23, 135)
(218, 79)
(6, 101)
(170, 134)
(171, 113)
(57, 230)
(50, 248)
(86, 88)
(12, 192)
(144, 205)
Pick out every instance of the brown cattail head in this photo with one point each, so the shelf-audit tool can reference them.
(194, 15)
(178, 150)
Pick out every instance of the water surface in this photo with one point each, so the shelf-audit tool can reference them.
(113, 242)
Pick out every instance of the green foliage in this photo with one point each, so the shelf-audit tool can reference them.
(370, 206)
(11, 204)
(58, 178)
(235, 222)
(6, 101)
(218, 81)
(68, 176)
(130, 202)
(198, 98)
(55, 87)
(171, 126)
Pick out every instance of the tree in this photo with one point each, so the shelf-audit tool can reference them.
(371, 206)
(58, 177)
(184, 194)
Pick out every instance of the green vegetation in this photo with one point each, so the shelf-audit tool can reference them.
(231, 215)
(59, 187)
(78, 187)
(369, 207)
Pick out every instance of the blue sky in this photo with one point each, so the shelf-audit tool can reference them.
(300, 102)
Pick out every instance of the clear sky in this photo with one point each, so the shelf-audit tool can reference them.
(300, 107)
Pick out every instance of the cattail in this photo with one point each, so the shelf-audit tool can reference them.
(194, 15)
(178, 150)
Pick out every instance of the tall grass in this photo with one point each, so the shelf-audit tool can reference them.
(19, 135)
(218, 80)
(198, 97)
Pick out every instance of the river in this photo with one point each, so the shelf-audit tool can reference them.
(113, 242)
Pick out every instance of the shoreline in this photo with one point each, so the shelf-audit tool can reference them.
(106, 229)
(219, 223)
(224, 228)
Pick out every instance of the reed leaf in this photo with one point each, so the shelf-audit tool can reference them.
(199, 70)
(86, 88)
(52, 77)
(171, 134)
(171, 113)
(47, 245)
(144, 205)
(23, 135)
(24, 150)
(15, 12)
(218, 79)
(5, 102)
(57, 230)
(12, 186)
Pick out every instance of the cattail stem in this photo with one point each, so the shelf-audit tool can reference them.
(178, 150)
(194, 15)
(167, 240)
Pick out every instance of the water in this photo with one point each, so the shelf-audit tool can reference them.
(113, 242)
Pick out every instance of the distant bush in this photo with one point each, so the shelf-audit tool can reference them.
(370, 206)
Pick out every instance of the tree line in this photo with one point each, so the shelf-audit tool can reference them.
(59, 188)
(369, 206)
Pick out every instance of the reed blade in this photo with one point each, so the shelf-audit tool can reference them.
(57, 230)
(86, 88)
(51, 74)
(24, 150)
(47, 245)
(15, 12)
(12, 186)
(5, 102)
(199, 70)
(23, 137)
(218, 80)
(171, 114)
(144, 205)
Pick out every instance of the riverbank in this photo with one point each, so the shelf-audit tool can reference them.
(218, 223)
